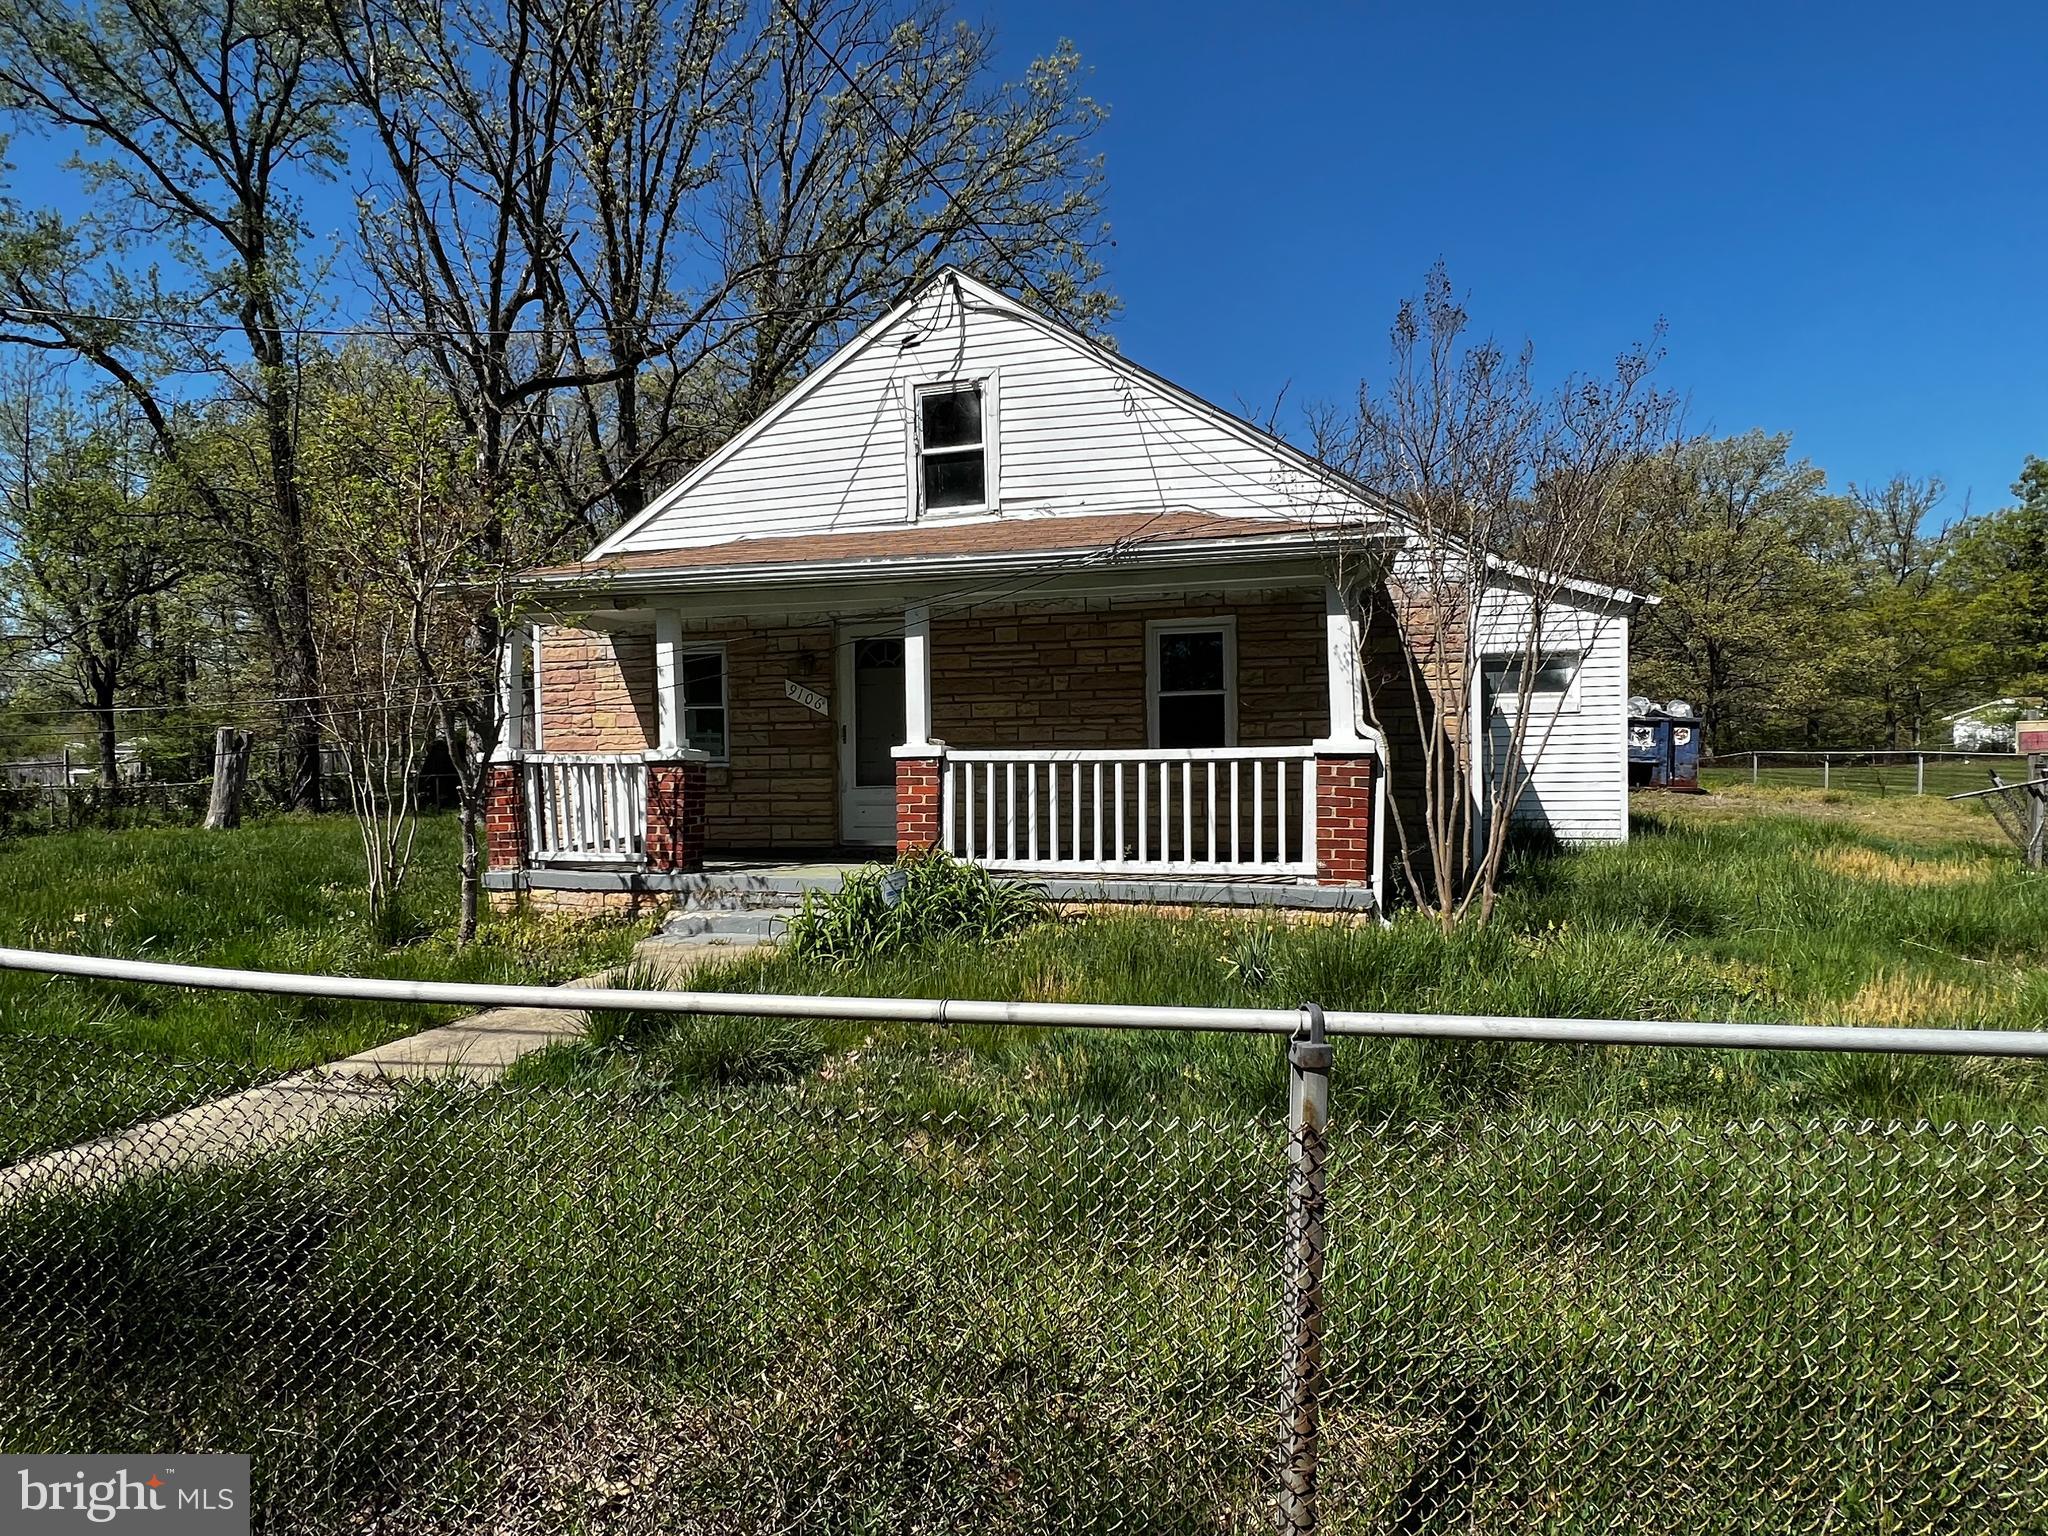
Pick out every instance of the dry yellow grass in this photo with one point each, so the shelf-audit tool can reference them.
(1923, 819)
(1900, 998)
(1857, 863)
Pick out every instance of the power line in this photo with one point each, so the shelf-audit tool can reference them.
(909, 153)
(417, 333)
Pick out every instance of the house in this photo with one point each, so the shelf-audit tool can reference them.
(1989, 727)
(983, 584)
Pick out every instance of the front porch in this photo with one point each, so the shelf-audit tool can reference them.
(1186, 744)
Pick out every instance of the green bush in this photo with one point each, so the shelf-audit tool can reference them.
(922, 899)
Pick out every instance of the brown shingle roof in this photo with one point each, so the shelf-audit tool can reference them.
(996, 536)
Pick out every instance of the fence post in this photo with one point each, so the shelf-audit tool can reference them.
(1752, 770)
(1920, 774)
(1823, 770)
(1301, 1289)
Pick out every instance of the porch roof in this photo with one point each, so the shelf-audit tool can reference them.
(993, 544)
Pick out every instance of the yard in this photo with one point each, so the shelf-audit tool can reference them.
(1765, 905)
(740, 1276)
(281, 894)
(1774, 905)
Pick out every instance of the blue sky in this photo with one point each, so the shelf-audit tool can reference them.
(1840, 210)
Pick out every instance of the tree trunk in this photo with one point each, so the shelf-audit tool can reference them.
(472, 870)
(230, 773)
(107, 726)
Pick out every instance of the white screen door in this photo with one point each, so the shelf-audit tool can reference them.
(871, 684)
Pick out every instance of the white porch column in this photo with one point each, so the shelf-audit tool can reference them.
(511, 697)
(668, 676)
(539, 741)
(917, 679)
(1347, 728)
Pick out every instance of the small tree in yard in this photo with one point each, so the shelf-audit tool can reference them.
(424, 562)
(1514, 499)
(377, 711)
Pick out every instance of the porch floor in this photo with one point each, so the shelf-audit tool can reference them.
(742, 880)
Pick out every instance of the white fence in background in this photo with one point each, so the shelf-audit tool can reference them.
(587, 807)
(1194, 811)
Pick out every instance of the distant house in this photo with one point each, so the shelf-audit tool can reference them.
(1991, 726)
(984, 584)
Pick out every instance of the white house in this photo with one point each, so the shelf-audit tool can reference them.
(981, 583)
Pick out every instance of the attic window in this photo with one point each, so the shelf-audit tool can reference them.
(952, 448)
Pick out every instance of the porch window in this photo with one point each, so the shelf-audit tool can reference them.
(952, 448)
(704, 702)
(1191, 676)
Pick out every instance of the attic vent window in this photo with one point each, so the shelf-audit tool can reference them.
(952, 448)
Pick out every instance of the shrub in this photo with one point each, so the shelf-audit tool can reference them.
(881, 912)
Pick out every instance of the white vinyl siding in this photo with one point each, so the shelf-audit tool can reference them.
(1077, 434)
(1577, 741)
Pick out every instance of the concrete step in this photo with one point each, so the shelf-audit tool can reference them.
(710, 926)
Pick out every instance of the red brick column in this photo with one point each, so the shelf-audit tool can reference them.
(917, 803)
(675, 816)
(504, 818)
(1344, 817)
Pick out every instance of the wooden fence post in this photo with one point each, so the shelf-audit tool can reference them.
(230, 773)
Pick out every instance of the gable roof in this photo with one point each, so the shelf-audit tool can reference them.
(1351, 503)
(974, 293)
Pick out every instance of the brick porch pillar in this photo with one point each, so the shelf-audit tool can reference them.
(1344, 819)
(675, 815)
(504, 817)
(917, 802)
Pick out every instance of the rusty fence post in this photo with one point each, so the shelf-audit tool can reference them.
(1301, 1288)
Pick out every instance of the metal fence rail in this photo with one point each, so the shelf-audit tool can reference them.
(1857, 770)
(529, 1309)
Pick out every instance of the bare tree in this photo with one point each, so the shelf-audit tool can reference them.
(377, 709)
(196, 116)
(613, 229)
(1519, 532)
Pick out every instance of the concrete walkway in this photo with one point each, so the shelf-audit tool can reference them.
(476, 1049)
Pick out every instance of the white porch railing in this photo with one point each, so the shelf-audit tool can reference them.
(1196, 811)
(585, 807)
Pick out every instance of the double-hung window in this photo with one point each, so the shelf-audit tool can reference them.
(1191, 677)
(953, 470)
(704, 720)
(1553, 680)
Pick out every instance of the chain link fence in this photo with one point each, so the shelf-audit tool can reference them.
(434, 1307)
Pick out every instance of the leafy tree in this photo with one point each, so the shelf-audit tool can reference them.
(1741, 628)
(90, 559)
(195, 115)
(1996, 575)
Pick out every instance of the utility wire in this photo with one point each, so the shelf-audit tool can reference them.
(909, 153)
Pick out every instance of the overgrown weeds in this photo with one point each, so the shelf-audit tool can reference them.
(880, 913)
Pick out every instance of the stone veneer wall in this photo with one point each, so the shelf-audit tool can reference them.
(1074, 676)
(1020, 675)
(779, 789)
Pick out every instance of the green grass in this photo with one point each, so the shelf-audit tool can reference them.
(1778, 907)
(283, 893)
(749, 1275)
(531, 1311)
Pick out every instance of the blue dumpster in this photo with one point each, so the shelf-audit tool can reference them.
(1664, 744)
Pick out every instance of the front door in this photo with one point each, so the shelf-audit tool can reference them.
(870, 729)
